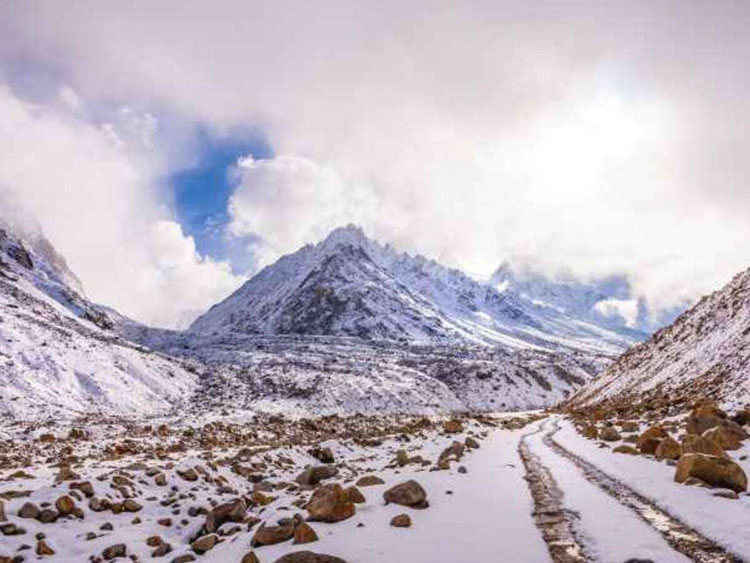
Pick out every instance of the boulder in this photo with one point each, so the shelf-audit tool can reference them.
(29, 510)
(354, 495)
(713, 470)
(43, 548)
(625, 449)
(668, 449)
(270, 535)
(308, 557)
(3, 518)
(330, 503)
(303, 532)
(204, 543)
(401, 521)
(250, 558)
(114, 551)
(323, 455)
(705, 415)
(728, 435)
(694, 444)
(369, 481)
(610, 434)
(314, 475)
(409, 494)
(649, 440)
(232, 511)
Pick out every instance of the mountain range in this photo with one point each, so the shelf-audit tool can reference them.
(347, 324)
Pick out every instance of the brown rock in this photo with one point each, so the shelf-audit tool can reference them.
(308, 557)
(401, 521)
(323, 455)
(303, 532)
(270, 535)
(130, 505)
(153, 541)
(183, 558)
(161, 550)
(233, 511)
(160, 479)
(624, 449)
(314, 475)
(705, 415)
(354, 495)
(42, 548)
(649, 440)
(610, 434)
(668, 448)
(29, 510)
(713, 470)
(84, 486)
(65, 505)
(728, 437)
(114, 551)
(250, 558)
(3, 518)
(330, 503)
(204, 543)
(188, 474)
(66, 474)
(409, 494)
(453, 427)
(694, 444)
(48, 516)
(471, 443)
(369, 481)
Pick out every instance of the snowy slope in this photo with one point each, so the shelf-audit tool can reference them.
(609, 302)
(57, 355)
(349, 285)
(706, 351)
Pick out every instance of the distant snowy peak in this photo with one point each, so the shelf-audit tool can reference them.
(350, 285)
(609, 301)
(706, 351)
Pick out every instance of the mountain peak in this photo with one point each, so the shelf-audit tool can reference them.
(348, 234)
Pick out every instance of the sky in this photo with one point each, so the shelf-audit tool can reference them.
(171, 149)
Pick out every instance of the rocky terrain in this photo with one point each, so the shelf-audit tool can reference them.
(704, 353)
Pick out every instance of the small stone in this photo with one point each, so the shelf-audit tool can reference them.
(153, 541)
(401, 521)
(131, 505)
(65, 505)
(462, 469)
(204, 543)
(369, 481)
(42, 548)
(161, 550)
(250, 558)
(114, 551)
(48, 516)
(29, 510)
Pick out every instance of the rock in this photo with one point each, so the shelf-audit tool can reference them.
(160, 479)
(308, 557)
(471, 443)
(303, 532)
(42, 548)
(250, 558)
(314, 475)
(130, 505)
(401, 521)
(183, 558)
(233, 511)
(629, 426)
(369, 481)
(84, 486)
(153, 541)
(610, 434)
(65, 505)
(714, 470)
(66, 474)
(323, 455)
(462, 470)
(48, 516)
(668, 448)
(330, 503)
(204, 543)
(453, 427)
(161, 550)
(270, 535)
(705, 415)
(453, 452)
(728, 437)
(29, 510)
(113, 551)
(188, 474)
(649, 440)
(694, 444)
(10, 529)
(409, 494)
(261, 499)
(98, 504)
(3, 518)
(624, 449)
(354, 495)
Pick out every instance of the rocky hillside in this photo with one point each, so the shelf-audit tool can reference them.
(349, 285)
(705, 352)
(58, 355)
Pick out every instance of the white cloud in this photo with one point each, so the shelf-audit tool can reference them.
(625, 308)
(595, 136)
(100, 202)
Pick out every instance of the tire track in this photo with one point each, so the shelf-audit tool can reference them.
(679, 536)
(556, 524)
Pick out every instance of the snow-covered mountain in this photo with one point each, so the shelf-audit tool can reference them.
(349, 285)
(705, 352)
(607, 302)
(58, 355)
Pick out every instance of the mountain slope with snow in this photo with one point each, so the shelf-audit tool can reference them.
(349, 285)
(57, 354)
(705, 352)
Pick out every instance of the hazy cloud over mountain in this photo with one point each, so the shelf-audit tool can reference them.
(600, 137)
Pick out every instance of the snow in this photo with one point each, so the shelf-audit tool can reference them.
(722, 520)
